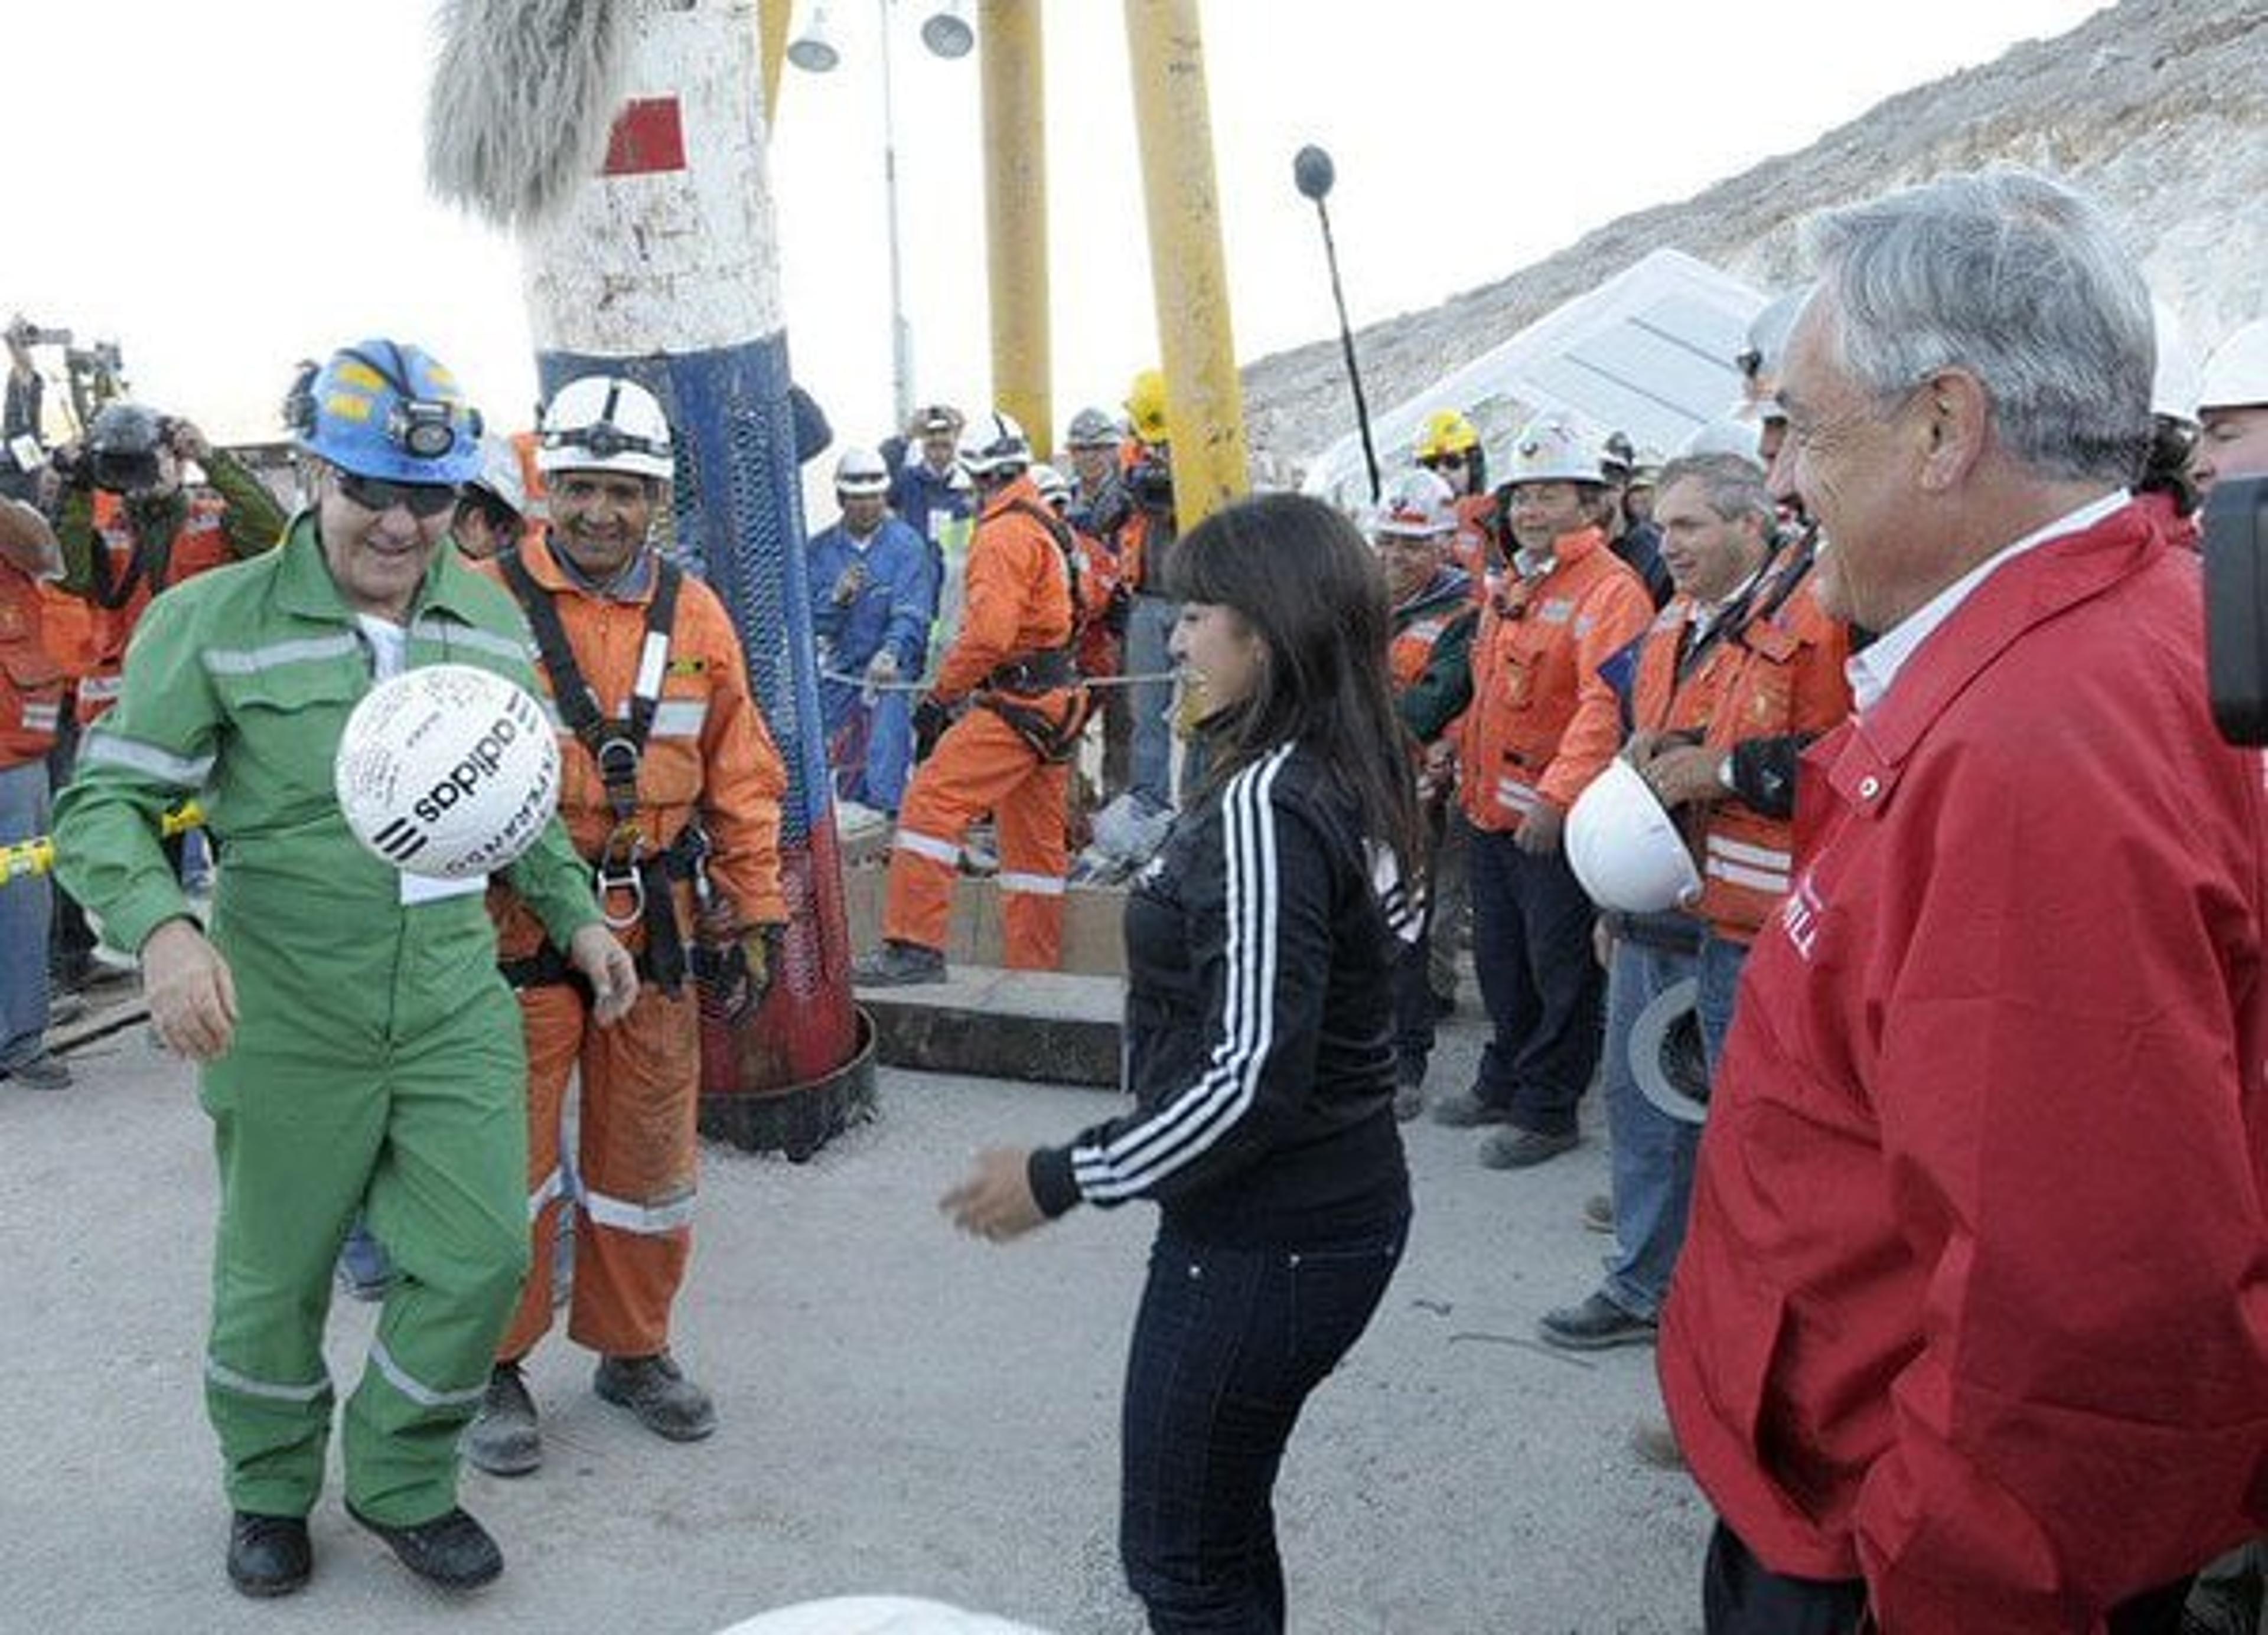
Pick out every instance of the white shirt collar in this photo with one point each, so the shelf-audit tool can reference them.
(1873, 669)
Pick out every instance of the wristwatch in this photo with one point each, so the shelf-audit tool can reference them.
(1724, 774)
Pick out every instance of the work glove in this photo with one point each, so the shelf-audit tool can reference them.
(731, 976)
(931, 717)
(881, 671)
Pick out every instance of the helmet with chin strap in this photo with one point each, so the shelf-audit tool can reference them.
(605, 422)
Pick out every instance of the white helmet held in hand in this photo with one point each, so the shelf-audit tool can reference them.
(605, 422)
(1624, 847)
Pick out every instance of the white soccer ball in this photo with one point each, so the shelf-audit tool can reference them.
(448, 771)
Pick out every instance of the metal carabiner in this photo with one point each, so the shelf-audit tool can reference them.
(617, 871)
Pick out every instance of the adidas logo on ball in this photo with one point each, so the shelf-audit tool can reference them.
(449, 771)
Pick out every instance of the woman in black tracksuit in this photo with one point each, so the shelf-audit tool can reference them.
(1261, 946)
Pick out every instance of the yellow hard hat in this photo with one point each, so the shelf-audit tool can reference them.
(1446, 432)
(1146, 405)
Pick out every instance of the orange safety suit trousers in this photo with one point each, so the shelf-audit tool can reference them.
(983, 764)
(635, 1169)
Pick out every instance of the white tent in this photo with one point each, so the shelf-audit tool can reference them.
(1649, 353)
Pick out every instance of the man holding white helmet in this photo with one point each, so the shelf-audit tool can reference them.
(2232, 409)
(670, 789)
(1743, 651)
(873, 593)
(358, 1050)
(1010, 754)
(1545, 720)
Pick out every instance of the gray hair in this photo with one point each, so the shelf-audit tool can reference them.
(2017, 280)
(1732, 486)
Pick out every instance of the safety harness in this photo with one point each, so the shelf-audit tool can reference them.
(618, 748)
(1044, 669)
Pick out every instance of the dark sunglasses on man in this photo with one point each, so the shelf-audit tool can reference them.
(1454, 460)
(375, 494)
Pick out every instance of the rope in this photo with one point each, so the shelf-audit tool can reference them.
(925, 686)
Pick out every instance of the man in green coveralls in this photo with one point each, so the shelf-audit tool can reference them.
(359, 1050)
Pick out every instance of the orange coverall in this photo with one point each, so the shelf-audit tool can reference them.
(1019, 607)
(708, 757)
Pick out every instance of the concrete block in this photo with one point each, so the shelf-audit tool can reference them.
(1050, 1027)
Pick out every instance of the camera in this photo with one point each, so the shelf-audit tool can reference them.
(23, 333)
(2236, 608)
(1150, 482)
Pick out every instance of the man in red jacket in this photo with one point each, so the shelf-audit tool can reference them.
(1971, 1331)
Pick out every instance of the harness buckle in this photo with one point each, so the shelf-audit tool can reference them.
(618, 869)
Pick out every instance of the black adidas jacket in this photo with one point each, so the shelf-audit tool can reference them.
(1259, 950)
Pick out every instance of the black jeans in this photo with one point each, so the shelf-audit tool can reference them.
(1545, 992)
(1742, 1596)
(1227, 1345)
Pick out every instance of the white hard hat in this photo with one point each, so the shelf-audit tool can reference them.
(2236, 374)
(1726, 437)
(1624, 847)
(1053, 487)
(1416, 505)
(605, 422)
(2178, 380)
(447, 771)
(500, 472)
(1557, 448)
(1668, 1059)
(993, 443)
(860, 471)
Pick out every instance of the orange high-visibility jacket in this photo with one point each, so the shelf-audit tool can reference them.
(1782, 674)
(1473, 549)
(1543, 722)
(200, 544)
(31, 681)
(1019, 593)
(708, 754)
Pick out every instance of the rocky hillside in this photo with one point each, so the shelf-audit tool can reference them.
(2158, 108)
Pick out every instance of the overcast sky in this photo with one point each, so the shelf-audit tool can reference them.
(230, 185)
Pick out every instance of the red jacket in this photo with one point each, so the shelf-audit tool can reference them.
(1543, 722)
(1975, 1298)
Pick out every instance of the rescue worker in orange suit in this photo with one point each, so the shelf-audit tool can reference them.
(1544, 722)
(673, 797)
(1010, 752)
(31, 701)
(1429, 663)
(1449, 446)
(1741, 664)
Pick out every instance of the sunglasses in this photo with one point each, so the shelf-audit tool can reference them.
(421, 500)
(1435, 462)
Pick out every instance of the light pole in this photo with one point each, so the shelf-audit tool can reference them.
(945, 33)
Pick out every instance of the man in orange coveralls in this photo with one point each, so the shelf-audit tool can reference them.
(1011, 755)
(673, 797)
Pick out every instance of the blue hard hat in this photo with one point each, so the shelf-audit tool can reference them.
(390, 411)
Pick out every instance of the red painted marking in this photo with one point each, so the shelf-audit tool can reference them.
(648, 136)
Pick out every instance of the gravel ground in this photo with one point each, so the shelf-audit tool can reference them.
(904, 1411)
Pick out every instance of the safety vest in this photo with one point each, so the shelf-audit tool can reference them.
(31, 681)
(127, 575)
(1777, 671)
(1543, 722)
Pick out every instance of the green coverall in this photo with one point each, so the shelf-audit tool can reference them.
(377, 1063)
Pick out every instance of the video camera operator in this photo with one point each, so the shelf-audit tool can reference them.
(22, 451)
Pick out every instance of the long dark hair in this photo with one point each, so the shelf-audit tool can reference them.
(1302, 578)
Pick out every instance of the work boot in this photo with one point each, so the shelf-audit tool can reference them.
(503, 1439)
(1597, 1324)
(1513, 1147)
(656, 1389)
(452, 1550)
(897, 964)
(1465, 1110)
(42, 1071)
(269, 1555)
